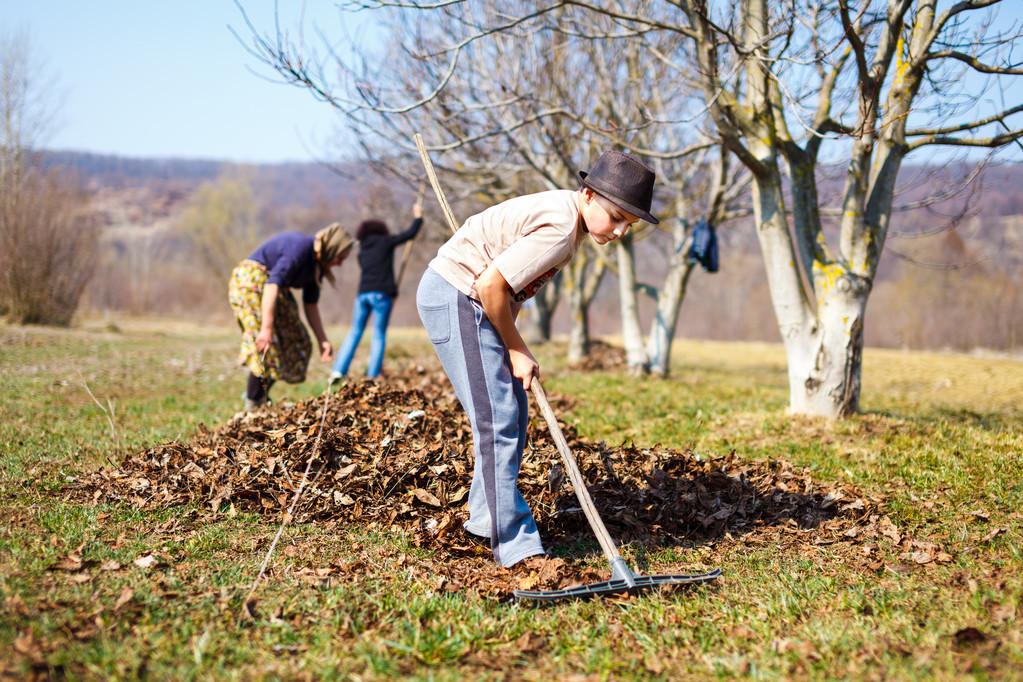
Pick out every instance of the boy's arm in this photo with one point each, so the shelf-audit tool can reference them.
(496, 296)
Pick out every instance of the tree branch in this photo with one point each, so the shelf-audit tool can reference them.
(994, 141)
(939, 25)
(965, 126)
(975, 63)
(855, 42)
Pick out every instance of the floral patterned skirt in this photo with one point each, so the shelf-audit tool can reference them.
(288, 356)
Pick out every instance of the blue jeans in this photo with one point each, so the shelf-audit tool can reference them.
(476, 361)
(380, 303)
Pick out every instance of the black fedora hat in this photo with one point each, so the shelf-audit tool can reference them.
(624, 181)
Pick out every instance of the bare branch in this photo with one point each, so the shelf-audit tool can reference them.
(975, 63)
(939, 25)
(357, 6)
(993, 141)
(853, 36)
(1001, 116)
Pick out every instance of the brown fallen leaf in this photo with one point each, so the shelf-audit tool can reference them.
(529, 581)
(530, 642)
(27, 645)
(126, 595)
(147, 561)
(110, 565)
(653, 663)
(740, 632)
(426, 497)
(889, 530)
(995, 532)
(550, 569)
(1001, 613)
(71, 562)
(920, 556)
(15, 604)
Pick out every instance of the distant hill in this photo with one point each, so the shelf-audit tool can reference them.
(950, 274)
(279, 184)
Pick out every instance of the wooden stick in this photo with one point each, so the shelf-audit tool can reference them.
(578, 484)
(574, 475)
(434, 182)
(248, 606)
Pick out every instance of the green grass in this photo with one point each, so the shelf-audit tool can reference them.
(940, 438)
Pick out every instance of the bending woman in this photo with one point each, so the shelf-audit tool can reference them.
(377, 290)
(275, 343)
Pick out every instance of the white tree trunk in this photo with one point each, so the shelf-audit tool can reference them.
(581, 279)
(632, 334)
(544, 304)
(579, 337)
(823, 337)
(669, 302)
(825, 358)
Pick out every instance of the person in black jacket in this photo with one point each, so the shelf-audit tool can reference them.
(377, 289)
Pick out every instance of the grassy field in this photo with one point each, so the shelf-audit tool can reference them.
(940, 441)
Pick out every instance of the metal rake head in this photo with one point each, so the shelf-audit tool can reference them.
(622, 581)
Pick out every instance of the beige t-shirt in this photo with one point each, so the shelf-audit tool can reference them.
(528, 239)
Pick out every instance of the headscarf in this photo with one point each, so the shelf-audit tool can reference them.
(330, 242)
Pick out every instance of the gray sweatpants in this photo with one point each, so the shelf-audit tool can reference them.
(476, 361)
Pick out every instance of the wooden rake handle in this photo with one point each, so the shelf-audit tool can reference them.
(434, 182)
(574, 475)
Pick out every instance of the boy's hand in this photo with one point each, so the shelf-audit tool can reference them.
(326, 351)
(524, 366)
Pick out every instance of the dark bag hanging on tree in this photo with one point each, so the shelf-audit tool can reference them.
(705, 246)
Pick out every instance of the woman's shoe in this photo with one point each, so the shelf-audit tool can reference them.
(253, 405)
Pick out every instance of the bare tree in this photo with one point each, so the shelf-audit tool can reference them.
(885, 79)
(523, 111)
(877, 80)
(28, 108)
(47, 243)
(719, 187)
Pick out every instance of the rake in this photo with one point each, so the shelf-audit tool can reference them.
(623, 579)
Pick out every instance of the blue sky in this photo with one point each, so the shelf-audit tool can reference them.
(167, 78)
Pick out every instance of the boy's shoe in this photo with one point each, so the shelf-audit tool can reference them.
(469, 544)
(475, 540)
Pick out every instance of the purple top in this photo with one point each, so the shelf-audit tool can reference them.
(290, 259)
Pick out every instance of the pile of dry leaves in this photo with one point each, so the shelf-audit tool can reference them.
(601, 357)
(398, 454)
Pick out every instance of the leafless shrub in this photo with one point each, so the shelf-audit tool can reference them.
(47, 247)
